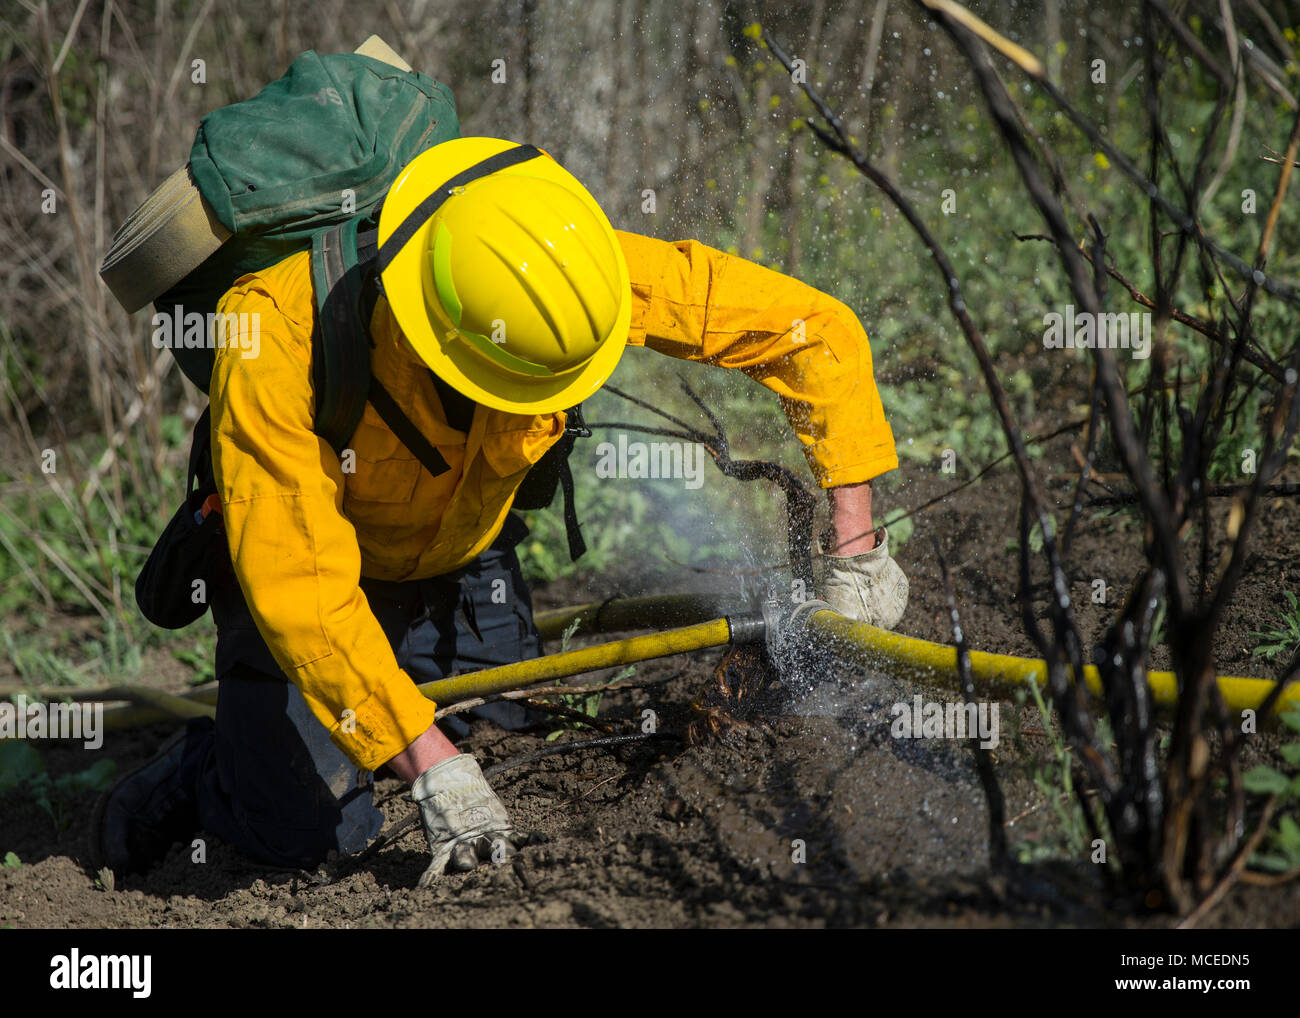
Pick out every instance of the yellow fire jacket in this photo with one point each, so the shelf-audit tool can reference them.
(302, 530)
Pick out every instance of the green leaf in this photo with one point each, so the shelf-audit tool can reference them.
(1291, 753)
(20, 764)
(899, 530)
(1292, 720)
(41, 796)
(1272, 862)
(567, 635)
(1264, 780)
(12, 861)
(1288, 833)
(93, 779)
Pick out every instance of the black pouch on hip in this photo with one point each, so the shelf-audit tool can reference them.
(191, 554)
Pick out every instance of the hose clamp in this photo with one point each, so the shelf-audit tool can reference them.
(747, 627)
(786, 627)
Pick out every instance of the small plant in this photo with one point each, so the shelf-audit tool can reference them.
(567, 635)
(118, 653)
(1286, 638)
(1035, 541)
(200, 658)
(22, 767)
(585, 703)
(1281, 851)
(1055, 783)
(11, 861)
(36, 666)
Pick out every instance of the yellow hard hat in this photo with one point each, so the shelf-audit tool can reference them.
(504, 275)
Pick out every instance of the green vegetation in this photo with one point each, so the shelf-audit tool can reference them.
(1053, 778)
(1284, 639)
(584, 703)
(21, 767)
(1280, 850)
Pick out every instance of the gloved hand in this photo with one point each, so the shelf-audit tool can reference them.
(868, 587)
(463, 819)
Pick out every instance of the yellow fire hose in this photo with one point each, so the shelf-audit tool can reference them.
(904, 657)
(149, 710)
(718, 632)
(701, 636)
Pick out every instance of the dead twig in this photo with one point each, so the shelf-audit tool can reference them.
(460, 706)
(1234, 870)
(998, 858)
(800, 506)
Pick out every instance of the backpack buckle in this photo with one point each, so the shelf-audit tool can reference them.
(575, 424)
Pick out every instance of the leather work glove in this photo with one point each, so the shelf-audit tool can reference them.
(463, 819)
(869, 587)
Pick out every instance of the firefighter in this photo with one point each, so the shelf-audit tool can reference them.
(501, 302)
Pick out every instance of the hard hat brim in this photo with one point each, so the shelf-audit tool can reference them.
(404, 284)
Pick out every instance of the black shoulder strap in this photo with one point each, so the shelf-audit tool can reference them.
(456, 406)
(343, 271)
(421, 214)
(575, 426)
(400, 425)
(340, 360)
(200, 467)
(572, 529)
(345, 268)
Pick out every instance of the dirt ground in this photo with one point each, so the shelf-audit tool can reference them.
(668, 835)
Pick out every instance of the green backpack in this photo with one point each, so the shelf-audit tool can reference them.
(313, 150)
(304, 165)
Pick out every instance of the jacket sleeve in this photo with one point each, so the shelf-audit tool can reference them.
(294, 552)
(699, 304)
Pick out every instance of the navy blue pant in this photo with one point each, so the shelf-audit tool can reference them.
(269, 780)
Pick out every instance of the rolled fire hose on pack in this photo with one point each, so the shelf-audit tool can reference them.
(174, 230)
(702, 622)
